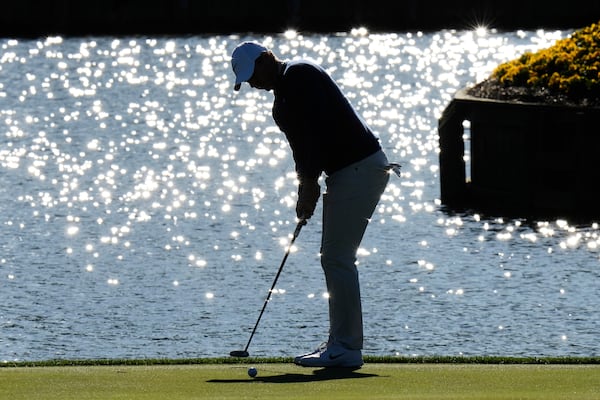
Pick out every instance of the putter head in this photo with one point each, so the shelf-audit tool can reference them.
(239, 353)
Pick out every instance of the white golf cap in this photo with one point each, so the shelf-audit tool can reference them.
(242, 61)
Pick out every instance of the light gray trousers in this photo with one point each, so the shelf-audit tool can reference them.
(348, 204)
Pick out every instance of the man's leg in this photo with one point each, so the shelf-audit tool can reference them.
(351, 197)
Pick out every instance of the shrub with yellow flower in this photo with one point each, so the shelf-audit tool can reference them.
(567, 72)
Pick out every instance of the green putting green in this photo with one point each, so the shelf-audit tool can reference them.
(286, 381)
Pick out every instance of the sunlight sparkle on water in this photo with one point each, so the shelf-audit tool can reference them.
(132, 161)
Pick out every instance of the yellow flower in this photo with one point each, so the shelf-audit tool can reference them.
(571, 66)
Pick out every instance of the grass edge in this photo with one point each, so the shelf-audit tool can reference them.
(567, 360)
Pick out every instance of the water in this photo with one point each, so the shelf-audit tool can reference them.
(145, 208)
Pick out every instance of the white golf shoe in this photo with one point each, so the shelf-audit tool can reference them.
(331, 356)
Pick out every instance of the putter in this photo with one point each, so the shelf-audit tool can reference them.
(244, 353)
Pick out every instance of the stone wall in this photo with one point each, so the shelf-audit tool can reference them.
(525, 159)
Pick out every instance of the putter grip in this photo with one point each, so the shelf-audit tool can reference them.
(301, 223)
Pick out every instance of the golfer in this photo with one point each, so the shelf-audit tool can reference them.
(327, 136)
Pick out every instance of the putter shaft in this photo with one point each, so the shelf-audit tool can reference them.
(299, 226)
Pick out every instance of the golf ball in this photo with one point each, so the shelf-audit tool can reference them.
(252, 372)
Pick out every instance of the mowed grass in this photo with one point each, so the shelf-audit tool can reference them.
(287, 381)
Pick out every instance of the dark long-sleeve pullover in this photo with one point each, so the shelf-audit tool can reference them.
(324, 131)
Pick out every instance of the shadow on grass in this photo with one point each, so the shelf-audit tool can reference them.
(325, 374)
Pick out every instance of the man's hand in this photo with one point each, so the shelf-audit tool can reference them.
(308, 194)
